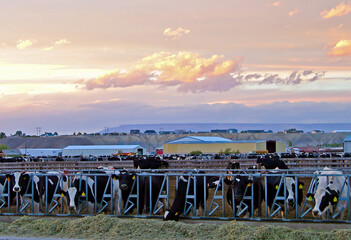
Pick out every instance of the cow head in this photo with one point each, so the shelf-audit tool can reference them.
(21, 181)
(126, 180)
(171, 215)
(240, 183)
(232, 165)
(291, 192)
(73, 196)
(325, 199)
(213, 182)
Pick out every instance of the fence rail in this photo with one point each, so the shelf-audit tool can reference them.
(216, 201)
(296, 163)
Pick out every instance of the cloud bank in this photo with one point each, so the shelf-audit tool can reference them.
(93, 117)
(191, 73)
(340, 10)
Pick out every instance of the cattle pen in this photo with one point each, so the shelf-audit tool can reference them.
(141, 203)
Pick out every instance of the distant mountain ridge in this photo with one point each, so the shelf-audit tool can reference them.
(196, 127)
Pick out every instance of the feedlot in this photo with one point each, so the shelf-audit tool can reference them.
(92, 199)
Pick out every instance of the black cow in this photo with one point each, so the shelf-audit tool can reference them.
(126, 183)
(179, 203)
(214, 182)
(83, 188)
(240, 187)
(150, 163)
(126, 180)
(271, 163)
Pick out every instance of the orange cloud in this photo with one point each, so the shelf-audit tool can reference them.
(276, 4)
(292, 13)
(338, 11)
(341, 48)
(174, 34)
(165, 69)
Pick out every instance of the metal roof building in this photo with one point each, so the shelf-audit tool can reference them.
(101, 150)
(38, 152)
(347, 144)
(218, 144)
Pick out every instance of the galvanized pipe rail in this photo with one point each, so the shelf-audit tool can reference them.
(305, 163)
(216, 206)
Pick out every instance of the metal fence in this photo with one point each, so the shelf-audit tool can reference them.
(74, 164)
(216, 199)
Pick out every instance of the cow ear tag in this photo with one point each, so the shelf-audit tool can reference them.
(249, 185)
(176, 214)
(133, 177)
(83, 194)
(335, 199)
(276, 187)
(309, 198)
(115, 178)
(300, 186)
(8, 179)
(62, 195)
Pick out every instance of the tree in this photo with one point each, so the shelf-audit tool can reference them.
(55, 133)
(196, 152)
(2, 146)
(2, 135)
(19, 133)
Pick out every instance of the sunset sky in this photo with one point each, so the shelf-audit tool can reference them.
(70, 66)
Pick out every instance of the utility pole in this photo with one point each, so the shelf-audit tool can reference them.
(38, 131)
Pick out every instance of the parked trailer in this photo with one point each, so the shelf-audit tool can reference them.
(216, 206)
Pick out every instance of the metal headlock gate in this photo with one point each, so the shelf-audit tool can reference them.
(216, 207)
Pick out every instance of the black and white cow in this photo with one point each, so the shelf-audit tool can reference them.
(328, 192)
(51, 183)
(240, 187)
(179, 203)
(6, 188)
(23, 185)
(43, 189)
(273, 183)
(83, 188)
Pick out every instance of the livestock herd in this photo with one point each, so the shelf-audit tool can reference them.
(148, 190)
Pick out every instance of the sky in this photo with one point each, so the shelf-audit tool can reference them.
(82, 66)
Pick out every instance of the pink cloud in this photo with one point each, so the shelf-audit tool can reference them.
(174, 34)
(294, 12)
(165, 69)
(340, 10)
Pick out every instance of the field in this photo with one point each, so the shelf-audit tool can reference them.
(105, 227)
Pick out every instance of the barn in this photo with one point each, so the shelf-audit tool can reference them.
(218, 144)
(101, 150)
(38, 152)
(347, 144)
